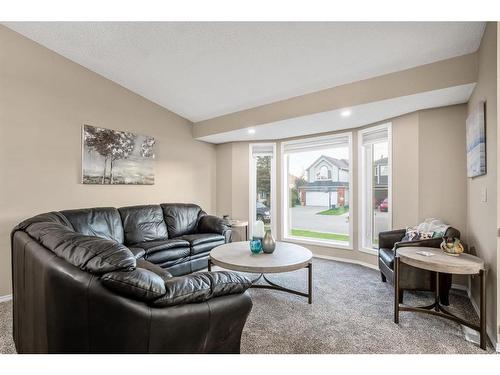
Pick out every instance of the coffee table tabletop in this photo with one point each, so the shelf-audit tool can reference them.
(237, 256)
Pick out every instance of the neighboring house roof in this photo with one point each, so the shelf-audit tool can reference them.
(382, 161)
(339, 163)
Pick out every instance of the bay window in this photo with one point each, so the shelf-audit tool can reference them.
(374, 184)
(262, 186)
(316, 183)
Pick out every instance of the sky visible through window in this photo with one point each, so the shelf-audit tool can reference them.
(300, 161)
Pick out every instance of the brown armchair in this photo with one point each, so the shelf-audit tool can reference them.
(411, 278)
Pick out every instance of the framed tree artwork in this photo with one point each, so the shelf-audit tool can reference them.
(476, 141)
(111, 157)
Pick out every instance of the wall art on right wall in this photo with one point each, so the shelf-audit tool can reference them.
(476, 141)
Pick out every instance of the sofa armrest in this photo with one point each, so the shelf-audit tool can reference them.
(201, 287)
(214, 224)
(387, 239)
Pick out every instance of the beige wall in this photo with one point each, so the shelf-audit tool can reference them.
(482, 216)
(441, 74)
(44, 100)
(425, 145)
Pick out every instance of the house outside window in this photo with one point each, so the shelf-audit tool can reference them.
(316, 200)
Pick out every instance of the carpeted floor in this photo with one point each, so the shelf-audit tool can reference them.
(352, 312)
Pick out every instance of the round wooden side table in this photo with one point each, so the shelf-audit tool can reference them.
(239, 224)
(435, 260)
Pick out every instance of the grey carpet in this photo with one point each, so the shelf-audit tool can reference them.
(351, 313)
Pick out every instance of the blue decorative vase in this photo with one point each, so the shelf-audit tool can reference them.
(255, 246)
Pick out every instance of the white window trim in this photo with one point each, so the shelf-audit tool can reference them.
(284, 196)
(362, 185)
(251, 194)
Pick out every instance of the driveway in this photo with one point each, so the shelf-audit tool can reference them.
(305, 217)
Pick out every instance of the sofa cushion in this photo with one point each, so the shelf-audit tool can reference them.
(205, 247)
(140, 284)
(161, 245)
(163, 273)
(165, 257)
(181, 218)
(143, 223)
(102, 222)
(89, 253)
(200, 287)
(387, 256)
(200, 238)
(138, 252)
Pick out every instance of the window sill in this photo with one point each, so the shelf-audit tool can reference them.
(304, 241)
(368, 250)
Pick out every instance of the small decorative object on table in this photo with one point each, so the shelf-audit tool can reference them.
(258, 234)
(452, 246)
(255, 246)
(268, 243)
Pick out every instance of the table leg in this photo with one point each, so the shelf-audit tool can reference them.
(209, 264)
(482, 310)
(396, 290)
(310, 282)
(436, 294)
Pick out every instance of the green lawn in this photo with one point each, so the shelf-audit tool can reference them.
(320, 235)
(334, 211)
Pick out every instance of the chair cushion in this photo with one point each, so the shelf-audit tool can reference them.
(140, 284)
(181, 218)
(104, 222)
(199, 238)
(160, 245)
(387, 256)
(143, 223)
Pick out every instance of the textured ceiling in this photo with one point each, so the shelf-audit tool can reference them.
(204, 70)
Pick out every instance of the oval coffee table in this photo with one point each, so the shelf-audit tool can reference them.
(236, 256)
(435, 260)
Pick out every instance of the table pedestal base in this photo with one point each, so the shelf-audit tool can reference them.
(273, 286)
(437, 309)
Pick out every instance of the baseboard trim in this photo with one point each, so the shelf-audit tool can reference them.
(496, 345)
(345, 260)
(6, 298)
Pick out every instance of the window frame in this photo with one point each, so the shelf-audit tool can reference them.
(252, 210)
(285, 194)
(362, 185)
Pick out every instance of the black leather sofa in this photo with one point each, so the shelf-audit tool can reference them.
(412, 278)
(106, 280)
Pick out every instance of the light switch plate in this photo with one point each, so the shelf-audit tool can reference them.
(484, 194)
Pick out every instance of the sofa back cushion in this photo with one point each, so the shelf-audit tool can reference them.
(104, 222)
(181, 218)
(89, 253)
(143, 223)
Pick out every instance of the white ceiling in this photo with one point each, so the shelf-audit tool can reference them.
(360, 115)
(204, 70)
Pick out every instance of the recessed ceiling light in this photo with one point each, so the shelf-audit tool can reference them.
(345, 113)
(251, 131)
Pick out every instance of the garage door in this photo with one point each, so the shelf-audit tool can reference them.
(316, 198)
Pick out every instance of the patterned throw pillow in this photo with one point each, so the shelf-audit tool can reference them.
(413, 234)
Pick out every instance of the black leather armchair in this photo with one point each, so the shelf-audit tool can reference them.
(411, 278)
